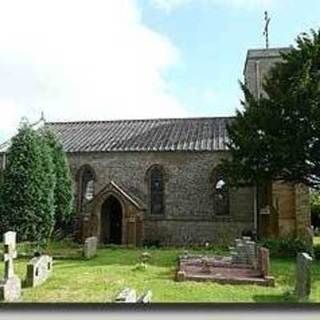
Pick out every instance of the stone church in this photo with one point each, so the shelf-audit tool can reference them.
(156, 181)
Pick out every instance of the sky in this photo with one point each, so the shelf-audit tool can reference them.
(128, 59)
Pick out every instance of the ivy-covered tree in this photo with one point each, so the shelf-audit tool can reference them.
(28, 181)
(63, 191)
(277, 137)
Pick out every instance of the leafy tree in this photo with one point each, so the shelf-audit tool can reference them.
(277, 136)
(63, 191)
(28, 182)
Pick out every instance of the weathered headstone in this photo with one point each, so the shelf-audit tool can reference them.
(244, 252)
(10, 288)
(38, 270)
(145, 297)
(90, 247)
(303, 275)
(180, 276)
(264, 261)
(126, 296)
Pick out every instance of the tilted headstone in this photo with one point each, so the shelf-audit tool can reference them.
(264, 261)
(145, 297)
(303, 275)
(38, 270)
(126, 296)
(10, 288)
(90, 247)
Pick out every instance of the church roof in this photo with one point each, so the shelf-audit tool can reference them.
(180, 134)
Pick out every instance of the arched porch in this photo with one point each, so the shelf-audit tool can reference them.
(115, 217)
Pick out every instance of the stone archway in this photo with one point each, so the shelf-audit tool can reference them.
(111, 207)
(111, 228)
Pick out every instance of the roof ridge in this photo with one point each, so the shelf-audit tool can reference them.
(270, 49)
(137, 120)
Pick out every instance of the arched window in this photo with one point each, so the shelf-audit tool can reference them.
(86, 185)
(156, 190)
(220, 194)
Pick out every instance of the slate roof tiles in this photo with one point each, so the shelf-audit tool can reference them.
(180, 134)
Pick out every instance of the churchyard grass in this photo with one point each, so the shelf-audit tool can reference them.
(100, 279)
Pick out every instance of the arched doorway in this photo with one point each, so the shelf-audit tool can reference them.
(111, 221)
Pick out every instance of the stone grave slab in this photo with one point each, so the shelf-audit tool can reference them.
(303, 275)
(264, 261)
(241, 267)
(90, 247)
(38, 270)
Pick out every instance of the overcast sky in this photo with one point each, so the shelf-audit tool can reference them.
(115, 59)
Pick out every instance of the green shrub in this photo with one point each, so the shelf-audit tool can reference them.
(316, 252)
(284, 247)
(27, 203)
(63, 190)
(155, 244)
(36, 191)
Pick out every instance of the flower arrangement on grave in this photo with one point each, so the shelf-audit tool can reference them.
(144, 258)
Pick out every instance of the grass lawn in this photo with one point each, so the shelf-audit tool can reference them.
(100, 279)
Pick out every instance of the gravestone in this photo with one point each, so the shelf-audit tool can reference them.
(180, 276)
(126, 296)
(90, 247)
(38, 270)
(10, 288)
(303, 275)
(145, 297)
(264, 261)
(244, 252)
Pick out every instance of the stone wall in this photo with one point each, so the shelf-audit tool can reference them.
(283, 198)
(289, 215)
(188, 215)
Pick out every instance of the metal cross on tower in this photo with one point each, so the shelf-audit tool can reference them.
(266, 28)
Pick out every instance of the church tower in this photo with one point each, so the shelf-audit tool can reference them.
(257, 65)
(283, 210)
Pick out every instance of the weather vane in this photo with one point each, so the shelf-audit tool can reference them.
(266, 28)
